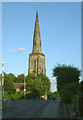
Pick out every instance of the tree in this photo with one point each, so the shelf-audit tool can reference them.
(40, 83)
(65, 74)
(12, 76)
(67, 81)
(43, 83)
(8, 84)
(20, 79)
(30, 79)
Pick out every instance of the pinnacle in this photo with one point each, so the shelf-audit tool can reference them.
(36, 15)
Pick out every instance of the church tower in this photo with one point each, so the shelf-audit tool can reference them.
(36, 58)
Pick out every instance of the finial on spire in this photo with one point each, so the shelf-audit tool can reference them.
(36, 12)
(36, 15)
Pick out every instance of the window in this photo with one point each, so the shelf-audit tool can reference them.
(34, 64)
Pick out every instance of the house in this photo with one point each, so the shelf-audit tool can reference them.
(20, 86)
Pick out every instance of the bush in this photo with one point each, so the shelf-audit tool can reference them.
(80, 99)
(33, 94)
(57, 96)
(67, 91)
(74, 102)
(15, 96)
(6, 95)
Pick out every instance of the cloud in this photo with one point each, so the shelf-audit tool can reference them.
(18, 50)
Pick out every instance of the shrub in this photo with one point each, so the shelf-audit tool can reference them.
(6, 95)
(57, 96)
(33, 94)
(67, 91)
(74, 102)
(15, 96)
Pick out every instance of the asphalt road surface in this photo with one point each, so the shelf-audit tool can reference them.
(37, 109)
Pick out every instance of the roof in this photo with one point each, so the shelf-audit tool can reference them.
(18, 85)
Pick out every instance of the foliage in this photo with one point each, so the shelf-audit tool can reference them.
(81, 86)
(40, 83)
(57, 96)
(12, 76)
(74, 102)
(33, 94)
(8, 84)
(6, 95)
(37, 85)
(17, 95)
(69, 90)
(67, 82)
(30, 76)
(50, 93)
(31, 82)
(65, 74)
(20, 79)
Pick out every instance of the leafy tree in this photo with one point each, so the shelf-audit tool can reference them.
(8, 84)
(20, 79)
(31, 82)
(12, 76)
(30, 76)
(65, 74)
(67, 82)
(41, 83)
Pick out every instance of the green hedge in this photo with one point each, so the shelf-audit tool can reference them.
(68, 91)
(80, 99)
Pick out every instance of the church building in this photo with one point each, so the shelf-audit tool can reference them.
(36, 58)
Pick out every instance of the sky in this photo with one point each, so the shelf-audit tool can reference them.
(60, 30)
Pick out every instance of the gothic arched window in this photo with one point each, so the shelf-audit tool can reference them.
(34, 64)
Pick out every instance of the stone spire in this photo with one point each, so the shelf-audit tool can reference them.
(36, 38)
(36, 58)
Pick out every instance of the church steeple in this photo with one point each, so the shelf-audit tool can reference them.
(36, 58)
(36, 38)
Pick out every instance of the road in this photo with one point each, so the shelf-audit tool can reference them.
(37, 109)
